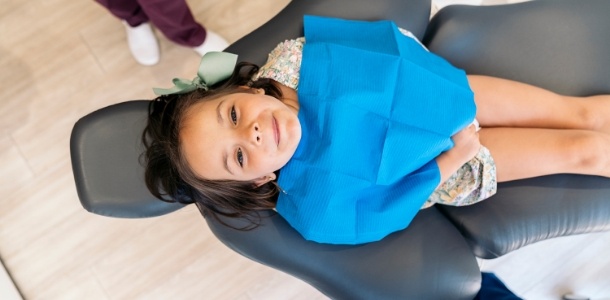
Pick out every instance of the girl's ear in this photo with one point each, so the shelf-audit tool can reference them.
(264, 179)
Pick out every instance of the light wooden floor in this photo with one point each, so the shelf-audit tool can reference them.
(61, 59)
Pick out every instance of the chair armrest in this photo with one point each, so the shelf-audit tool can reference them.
(561, 45)
(428, 260)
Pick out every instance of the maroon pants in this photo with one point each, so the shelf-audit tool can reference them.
(172, 17)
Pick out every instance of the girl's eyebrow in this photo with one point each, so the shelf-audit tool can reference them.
(218, 114)
(225, 159)
(225, 156)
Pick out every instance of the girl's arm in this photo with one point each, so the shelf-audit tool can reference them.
(466, 146)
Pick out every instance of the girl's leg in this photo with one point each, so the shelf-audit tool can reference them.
(507, 103)
(529, 152)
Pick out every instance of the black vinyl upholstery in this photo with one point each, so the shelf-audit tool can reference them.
(288, 24)
(557, 44)
(561, 45)
(105, 146)
(428, 260)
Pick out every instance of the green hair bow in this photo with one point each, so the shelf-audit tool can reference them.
(214, 67)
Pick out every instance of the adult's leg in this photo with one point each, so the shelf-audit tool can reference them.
(507, 103)
(175, 20)
(128, 10)
(529, 152)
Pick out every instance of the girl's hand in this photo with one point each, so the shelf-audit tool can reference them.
(466, 145)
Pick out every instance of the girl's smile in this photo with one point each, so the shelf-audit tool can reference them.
(276, 132)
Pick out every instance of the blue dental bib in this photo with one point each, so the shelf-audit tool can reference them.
(376, 109)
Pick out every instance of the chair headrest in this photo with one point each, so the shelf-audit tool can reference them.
(105, 147)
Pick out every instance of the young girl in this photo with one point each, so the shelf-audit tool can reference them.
(378, 129)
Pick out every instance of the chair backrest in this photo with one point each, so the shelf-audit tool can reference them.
(412, 15)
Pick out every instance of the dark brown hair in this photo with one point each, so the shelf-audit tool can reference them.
(169, 177)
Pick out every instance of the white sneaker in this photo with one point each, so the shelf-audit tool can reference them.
(212, 42)
(143, 43)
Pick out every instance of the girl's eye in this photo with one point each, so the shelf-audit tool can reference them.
(233, 115)
(240, 157)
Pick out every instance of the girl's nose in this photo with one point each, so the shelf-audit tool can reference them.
(255, 133)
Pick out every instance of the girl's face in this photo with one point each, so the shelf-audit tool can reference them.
(241, 136)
